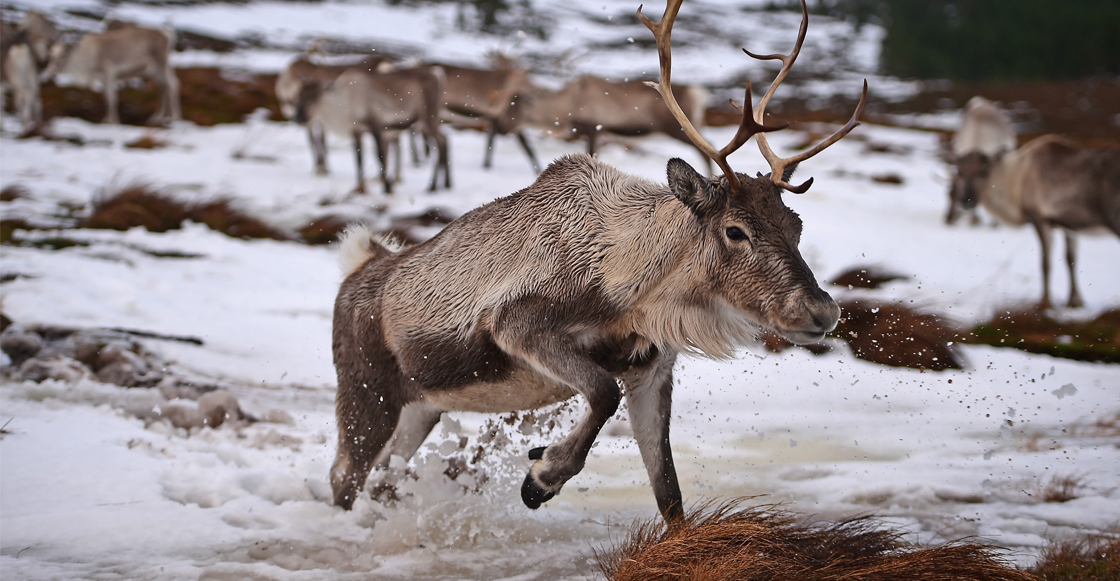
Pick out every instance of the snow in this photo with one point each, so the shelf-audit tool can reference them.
(89, 490)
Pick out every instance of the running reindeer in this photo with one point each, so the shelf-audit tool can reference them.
(584, 279)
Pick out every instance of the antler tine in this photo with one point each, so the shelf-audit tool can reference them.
(662, 31)
(779, 165)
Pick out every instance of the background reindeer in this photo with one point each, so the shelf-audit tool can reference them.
(488, 94)
(985, 133)
(587, 278)
(358, 102)
(299, 73)
(1049, 183)
(24, 52)
(124, 52)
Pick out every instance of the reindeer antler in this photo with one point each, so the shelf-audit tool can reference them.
(778, 166)
(751, 124)
(748, 126)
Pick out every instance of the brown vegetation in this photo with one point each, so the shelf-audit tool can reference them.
(1034, 330)
(869, 277)
(1089, 558)
(13, 192)
(142, 205)
(209, 96)
(718, 542)
(890, 334)
(1059, 489)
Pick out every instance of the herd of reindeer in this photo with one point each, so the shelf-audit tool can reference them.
(590, 278)
(1049, 182)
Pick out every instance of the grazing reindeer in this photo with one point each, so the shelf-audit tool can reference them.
(24, 51)
(124, 52)
(985, 132)
(357, 102)
(586, 278)
(487, 94)
(302, 71)
(1049, 182)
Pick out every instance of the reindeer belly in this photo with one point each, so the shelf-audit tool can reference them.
(524, 389)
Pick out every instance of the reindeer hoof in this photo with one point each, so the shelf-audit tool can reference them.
(536, 453)
(532, 493)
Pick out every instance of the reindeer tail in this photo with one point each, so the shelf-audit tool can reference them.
(359, 245)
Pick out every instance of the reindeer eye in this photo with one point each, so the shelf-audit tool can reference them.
(735, 234)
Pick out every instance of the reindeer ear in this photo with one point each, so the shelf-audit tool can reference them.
(788, 173)
(688, 186)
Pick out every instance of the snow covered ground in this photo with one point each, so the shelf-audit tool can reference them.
(88, 490)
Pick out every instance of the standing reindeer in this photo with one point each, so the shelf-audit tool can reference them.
(1049, 183)
(24, 52)
(584, 279)
(124, 52)
(302, 71)
(985, 133)
(590, 106)
(488, 94)
(380, 104)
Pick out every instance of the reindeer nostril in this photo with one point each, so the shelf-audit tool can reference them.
(817, 322)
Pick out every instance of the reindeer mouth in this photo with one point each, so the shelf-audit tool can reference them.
(801, 337)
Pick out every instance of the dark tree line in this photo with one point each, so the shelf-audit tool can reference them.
(981, 40)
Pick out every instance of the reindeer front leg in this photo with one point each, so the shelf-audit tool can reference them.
(649, 390)
(110, 93)
(523, 332)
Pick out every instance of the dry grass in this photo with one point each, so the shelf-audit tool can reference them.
(869, 277)
(1059, 488)
(208, 96)
(14, 192)
(718, 542)
(1033, 329)
(146, 141)
(897, 335)
(143, 205)
(1089, 558)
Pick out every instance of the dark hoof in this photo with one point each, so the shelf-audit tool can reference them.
(532, 494)
(536, 453)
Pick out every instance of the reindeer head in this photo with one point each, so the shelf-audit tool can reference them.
(970, 173)
(760, 271)
(751, 260)
(309, 93)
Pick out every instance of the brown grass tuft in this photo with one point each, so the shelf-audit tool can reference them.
(1032, 329)
(143, 205)
(221, 216)
(1059, 488)
(137, 204)
(1090, 558)
(324, 230)
(718, 542)
(14, 192)
(147, 141)
(870, 277)
(898, 336)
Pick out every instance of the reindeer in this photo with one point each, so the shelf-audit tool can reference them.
(357, 102)
(587, 278)
(488, 94)
(1049, 183)
(985, 132)
(125, 52)
(24, 51)
(302, 71)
